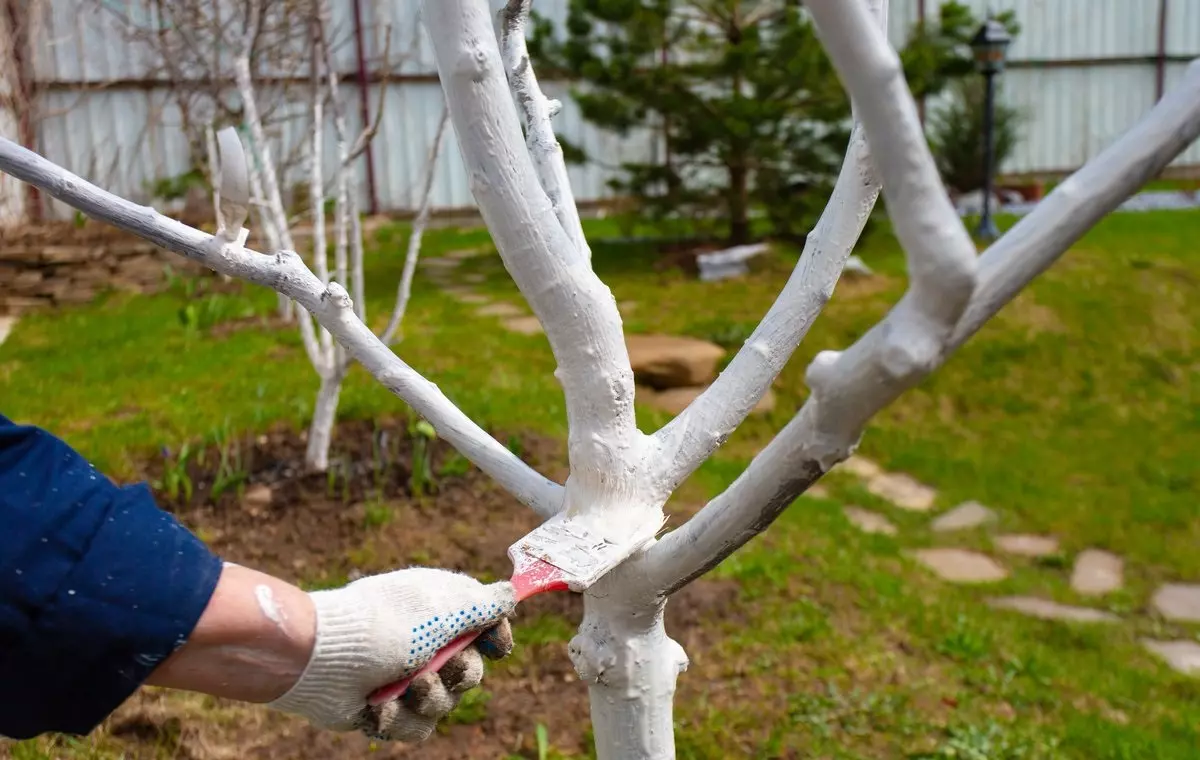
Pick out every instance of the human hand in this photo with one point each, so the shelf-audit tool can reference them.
(380, 629)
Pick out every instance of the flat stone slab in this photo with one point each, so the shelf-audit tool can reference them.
(1045, 609)
(1182, 656)
(818, 491)
(860, 466)
(474, 278)
(961, 565)
(970, 514)
(868, 521)
(1026, 545)
(902, 490)
(1178, 601)
(1097, 572)
(675, 400)
(444, 262)
(467, 253)
(523, 325)
(466, 295)
(6, 326)
(500, 310)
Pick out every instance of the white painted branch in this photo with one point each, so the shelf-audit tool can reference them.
(404, 290)
(243, 80)
(316, 201)
(1063, 216)
(703, 426)
(536, 112)
(349, 230)
(941, 255)
(286, 272)
(849, 388)
(575, 308)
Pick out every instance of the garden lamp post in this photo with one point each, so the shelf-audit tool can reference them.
(990, 44)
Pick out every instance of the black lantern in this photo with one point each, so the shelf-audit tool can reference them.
(990, 45)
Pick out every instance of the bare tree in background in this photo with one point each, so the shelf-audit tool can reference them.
(328, 358)
(620, 478)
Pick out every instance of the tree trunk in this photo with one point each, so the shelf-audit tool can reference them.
(320, 432)
(739, 201)
(630, 664)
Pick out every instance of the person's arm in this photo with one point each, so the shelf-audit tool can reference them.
(252, 643)
(97, 586)
(101, 591)
(319, 655)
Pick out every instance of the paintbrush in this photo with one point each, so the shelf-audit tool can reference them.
(563, 553)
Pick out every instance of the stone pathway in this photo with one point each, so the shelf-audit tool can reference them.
(1026, 545)
(903, 491)
(868, 521)
(961, 565)
(1182, 656)
(1179, 602)
(442, 272)
(968, 515)
(1048, 610)
(1097, 572)
(1094, 573)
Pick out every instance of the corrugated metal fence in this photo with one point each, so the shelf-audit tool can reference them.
(1083, 71)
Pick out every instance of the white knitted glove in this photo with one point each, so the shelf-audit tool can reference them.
(380, 629)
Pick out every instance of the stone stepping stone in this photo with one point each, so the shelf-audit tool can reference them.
(499, 310)
(868, 521)
(1182, 656)
(675, 400)
(1045, 609)
(1179, 602)
(970, 514)
(818, 491)
(860, 466)
(6, 326)
(466, 295)
(1026, 545)
(474, 278)
(902, 490)
(466, 253)
(1097, 572)
(443, 263)
(523, 325)
(961, 565)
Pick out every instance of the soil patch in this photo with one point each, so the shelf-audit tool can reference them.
(362, 518)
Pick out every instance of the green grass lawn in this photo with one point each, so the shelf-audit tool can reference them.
(1075, 413)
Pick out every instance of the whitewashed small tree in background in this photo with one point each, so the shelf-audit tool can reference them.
(328, 358)
(619, 477)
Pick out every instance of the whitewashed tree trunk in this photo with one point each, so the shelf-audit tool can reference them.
(620, 478)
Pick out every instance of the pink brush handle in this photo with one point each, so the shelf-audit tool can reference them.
(535, 577)
(393, 690)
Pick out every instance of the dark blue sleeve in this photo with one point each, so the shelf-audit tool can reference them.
(97, 586)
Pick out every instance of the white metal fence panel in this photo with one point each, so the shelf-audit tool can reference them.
(1083, 72)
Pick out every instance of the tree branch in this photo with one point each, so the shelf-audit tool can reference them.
(404, 290)
(849, 388)
(703, 426)
(536, 112)
(286, 273)
(575, 308)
